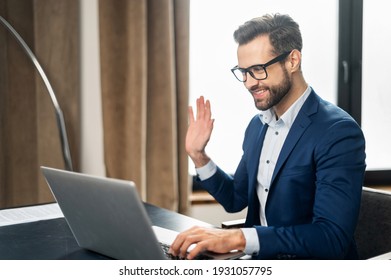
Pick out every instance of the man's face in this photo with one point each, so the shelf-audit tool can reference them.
(267, 93)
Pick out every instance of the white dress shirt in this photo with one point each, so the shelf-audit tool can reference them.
(272, 145)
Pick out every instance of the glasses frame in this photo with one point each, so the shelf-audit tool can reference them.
(264, 66)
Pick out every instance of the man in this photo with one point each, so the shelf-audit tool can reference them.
(303, 159)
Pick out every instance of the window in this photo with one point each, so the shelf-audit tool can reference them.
(376, 93)
(212, 47)
(362, 85)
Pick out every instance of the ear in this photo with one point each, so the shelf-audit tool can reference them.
(294, 60)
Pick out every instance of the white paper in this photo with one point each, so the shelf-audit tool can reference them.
(30, 214)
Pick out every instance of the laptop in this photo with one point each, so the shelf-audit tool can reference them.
(107, 216)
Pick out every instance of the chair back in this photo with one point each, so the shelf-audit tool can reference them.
(373, 232)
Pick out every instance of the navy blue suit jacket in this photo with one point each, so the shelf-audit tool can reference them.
(315, 192)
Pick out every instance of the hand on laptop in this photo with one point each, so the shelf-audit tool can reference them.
(207, 239)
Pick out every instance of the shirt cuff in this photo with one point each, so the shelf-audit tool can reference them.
(206, 171)
(252, 241)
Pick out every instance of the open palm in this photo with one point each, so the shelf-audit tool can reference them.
(199, 132)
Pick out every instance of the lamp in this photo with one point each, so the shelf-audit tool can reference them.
(59, 115)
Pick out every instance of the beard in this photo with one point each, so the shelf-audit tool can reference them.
(276, 93)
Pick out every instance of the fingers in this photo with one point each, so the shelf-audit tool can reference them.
(190, 243)
(203, 109)
(200, 239)
(198, 249)
(200, 107)
(208, 111)
(182, 243)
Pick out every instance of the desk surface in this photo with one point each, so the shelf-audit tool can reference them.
(52, 239)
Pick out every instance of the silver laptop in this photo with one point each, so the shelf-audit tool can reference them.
(107, 216)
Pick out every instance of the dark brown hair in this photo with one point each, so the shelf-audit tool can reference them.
(284, 33)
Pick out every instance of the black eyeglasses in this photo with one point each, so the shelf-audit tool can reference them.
(258, 71)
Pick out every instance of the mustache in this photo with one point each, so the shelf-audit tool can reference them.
(257, 88)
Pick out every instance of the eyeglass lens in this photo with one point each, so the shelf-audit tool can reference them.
(257, 72)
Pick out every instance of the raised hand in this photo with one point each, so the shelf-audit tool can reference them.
(199, 132)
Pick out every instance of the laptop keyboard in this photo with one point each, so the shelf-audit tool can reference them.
(166, 247)
(167, 236)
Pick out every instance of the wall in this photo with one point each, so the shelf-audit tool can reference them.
(92, 161)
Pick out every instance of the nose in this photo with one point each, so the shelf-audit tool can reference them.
(250, 81)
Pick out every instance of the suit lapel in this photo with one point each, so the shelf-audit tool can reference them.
(301, 123)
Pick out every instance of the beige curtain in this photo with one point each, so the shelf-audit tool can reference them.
(29, 135)
(144, 71)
